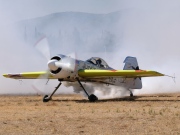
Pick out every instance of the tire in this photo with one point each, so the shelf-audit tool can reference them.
(45, 98)
(92, 98)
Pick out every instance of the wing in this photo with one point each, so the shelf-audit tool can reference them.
(88, 74)
(30, 75)
(118, 73)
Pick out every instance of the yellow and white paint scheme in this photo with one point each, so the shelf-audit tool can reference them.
(95, 69)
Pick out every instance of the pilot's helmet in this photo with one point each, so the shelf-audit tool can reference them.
(99, 61)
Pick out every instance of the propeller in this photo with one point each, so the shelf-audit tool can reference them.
(55, 64)
(40, 84)
(43, 47)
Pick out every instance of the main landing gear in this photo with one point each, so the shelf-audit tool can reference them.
(92, 97)
(46, 98)
(131, 94)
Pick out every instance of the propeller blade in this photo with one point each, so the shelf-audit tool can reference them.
(43, 47)
(40, 83)
(54, 65)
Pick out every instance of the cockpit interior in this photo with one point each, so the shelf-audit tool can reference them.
(98, 62)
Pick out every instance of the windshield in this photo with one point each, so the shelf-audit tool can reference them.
(98, 62)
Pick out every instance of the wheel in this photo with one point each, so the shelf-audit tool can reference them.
(131, 94)
(92, 98)
(45, 98)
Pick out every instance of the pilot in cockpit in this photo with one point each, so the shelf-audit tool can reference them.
(99, 63)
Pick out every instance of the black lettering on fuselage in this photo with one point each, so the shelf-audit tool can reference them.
(112, 80)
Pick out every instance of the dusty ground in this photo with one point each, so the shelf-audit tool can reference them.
(71, 114)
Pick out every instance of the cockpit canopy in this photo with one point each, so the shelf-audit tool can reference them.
(98, 62)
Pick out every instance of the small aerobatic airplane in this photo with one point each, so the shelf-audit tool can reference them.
(95, 69)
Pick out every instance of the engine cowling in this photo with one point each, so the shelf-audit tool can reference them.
(61, 66)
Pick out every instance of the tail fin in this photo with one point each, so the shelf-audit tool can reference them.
(132, 64)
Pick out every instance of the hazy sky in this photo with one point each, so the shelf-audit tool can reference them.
(23, 9)
(14, 10)
(151, 30)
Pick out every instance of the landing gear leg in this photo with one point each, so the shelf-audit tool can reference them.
(92, 97)
(46, 98)
(131, 94)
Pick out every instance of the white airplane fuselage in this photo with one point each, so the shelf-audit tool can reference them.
(70, 67)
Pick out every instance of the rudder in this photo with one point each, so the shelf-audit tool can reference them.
(132, 64)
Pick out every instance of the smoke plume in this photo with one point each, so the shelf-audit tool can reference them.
(148, 30)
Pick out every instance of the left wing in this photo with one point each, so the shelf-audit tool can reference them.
(118, 73)
(30, 75)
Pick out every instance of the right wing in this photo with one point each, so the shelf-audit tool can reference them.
(117, 73)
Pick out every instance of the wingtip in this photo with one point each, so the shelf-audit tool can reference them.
(173, 77)
(5, 75)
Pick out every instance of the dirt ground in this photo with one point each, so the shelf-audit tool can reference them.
(73, 114)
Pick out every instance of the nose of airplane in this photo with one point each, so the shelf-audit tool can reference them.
(51, 64)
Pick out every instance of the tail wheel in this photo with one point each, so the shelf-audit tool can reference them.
(45, 98)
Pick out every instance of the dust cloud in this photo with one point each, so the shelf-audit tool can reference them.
(148, 32)
(151, 33)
